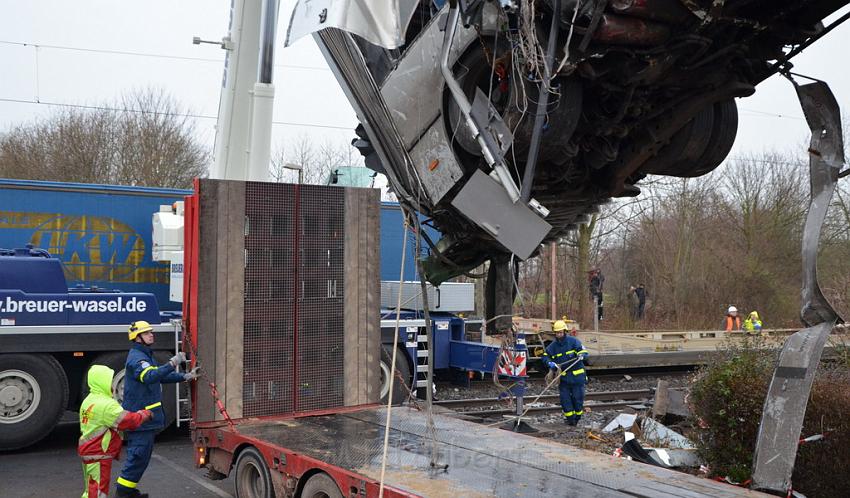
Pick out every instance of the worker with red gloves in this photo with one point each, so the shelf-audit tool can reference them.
(101, 417)
(567, 354)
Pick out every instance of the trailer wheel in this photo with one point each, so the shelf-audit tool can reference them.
(252, 475)
(399, 390)
(33, 396)
(321, 486)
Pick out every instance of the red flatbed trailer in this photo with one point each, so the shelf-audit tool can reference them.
(473, 460)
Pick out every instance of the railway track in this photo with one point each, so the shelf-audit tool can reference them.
(607, 375)
(610, 374)
(593, 400)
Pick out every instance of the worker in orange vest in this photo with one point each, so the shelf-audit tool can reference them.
(733, 321)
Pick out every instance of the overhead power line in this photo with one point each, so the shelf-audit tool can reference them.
(290, 66)
(145, 54)
(188, 115)
(771, 114)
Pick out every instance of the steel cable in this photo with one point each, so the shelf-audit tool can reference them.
(391, 379)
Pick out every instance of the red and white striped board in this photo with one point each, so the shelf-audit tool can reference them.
(513, 363)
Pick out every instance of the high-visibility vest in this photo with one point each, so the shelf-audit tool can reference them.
(751, 325)
(100, 416)
(730, 326)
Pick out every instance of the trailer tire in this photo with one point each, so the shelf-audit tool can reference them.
(321, 485)
(253, 479)
(399, 389)
(33, 397)
(115, 361)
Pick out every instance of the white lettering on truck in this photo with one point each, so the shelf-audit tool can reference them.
(112, 305)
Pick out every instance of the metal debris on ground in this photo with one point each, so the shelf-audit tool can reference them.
(676, 457)
(662, 446)
(624, 420)
(634, 449)
(661, 435)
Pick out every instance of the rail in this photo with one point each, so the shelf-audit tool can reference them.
(598, 400)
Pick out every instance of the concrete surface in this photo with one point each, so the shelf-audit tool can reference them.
(52, 468)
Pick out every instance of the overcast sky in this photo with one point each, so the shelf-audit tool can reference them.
(89, 52)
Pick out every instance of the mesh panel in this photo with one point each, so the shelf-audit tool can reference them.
(269, 305)
(320, 312)
(294, 243)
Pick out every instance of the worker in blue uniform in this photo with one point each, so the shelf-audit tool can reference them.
(142, 389)
(567, 354)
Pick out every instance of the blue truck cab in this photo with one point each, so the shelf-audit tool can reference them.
(33, 291)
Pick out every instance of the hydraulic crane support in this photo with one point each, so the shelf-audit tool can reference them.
(785, 405)
(243, 131)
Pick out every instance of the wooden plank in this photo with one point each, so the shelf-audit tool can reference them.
(207, 233)
(234, 237)
(362, 299)
(351, 300)
(363, 236)
(221, 268)
(372, 312)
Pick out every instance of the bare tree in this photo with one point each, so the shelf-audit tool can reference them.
(149, 140)
(156, 142)
(317, 163)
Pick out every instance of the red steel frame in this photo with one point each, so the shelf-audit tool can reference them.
(286, 467)
(190, 278)
(227, 441)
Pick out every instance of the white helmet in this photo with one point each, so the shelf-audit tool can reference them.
(731, 310)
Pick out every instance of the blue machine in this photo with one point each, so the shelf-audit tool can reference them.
(33, 291)
(100, 233)
(392, 229)
(452, 350)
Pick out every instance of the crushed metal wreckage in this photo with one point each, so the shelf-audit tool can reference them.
(510, 122)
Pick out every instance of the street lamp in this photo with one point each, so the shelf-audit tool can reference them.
(296, 167)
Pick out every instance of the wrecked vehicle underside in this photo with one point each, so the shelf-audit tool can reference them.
(508, 122)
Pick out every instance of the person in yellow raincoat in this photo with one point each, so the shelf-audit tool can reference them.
(101, 417)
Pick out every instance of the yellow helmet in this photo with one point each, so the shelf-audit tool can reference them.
(137, 328)
(559, 325)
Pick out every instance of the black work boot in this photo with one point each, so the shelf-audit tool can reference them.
(125, 492)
